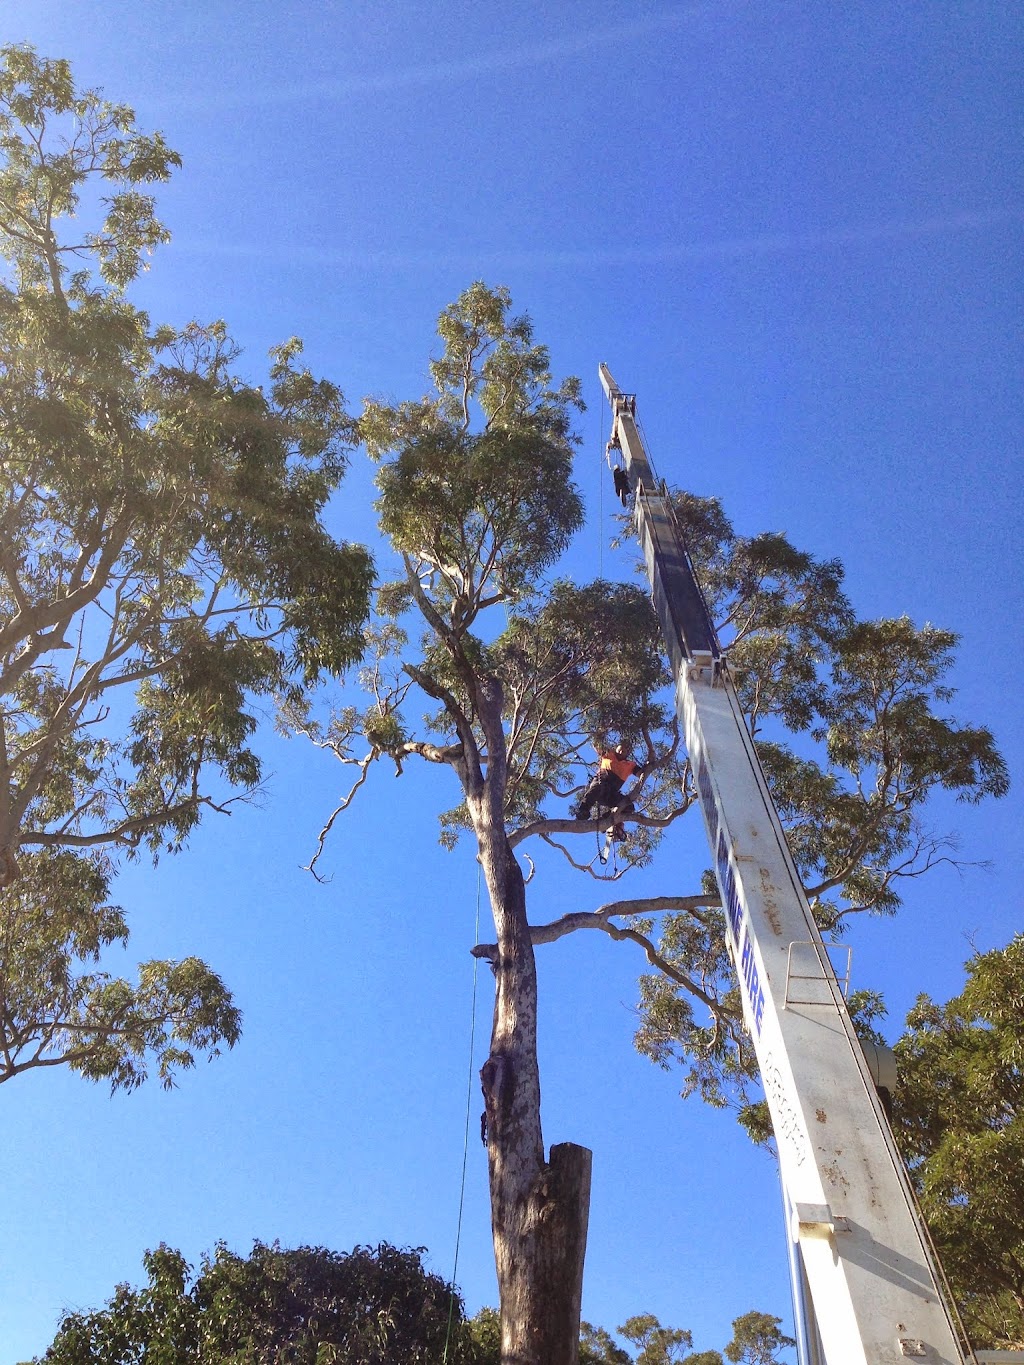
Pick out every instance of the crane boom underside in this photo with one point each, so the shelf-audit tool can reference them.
(872, 1277)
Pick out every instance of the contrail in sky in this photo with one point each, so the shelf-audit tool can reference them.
(465, 68)
(680, 253)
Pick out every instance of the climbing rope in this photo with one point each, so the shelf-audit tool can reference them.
(465, 1139)
(600, 492)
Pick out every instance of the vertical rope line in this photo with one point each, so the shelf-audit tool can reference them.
(465, 1136)
(600, 496)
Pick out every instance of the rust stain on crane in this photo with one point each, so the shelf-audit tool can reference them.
(770, 908)
(833, 1173)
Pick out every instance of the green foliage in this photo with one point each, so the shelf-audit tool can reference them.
(310, 1306)
(959, 1120)
(478, 500)
(886, 679)
(490, 365)
(777, 609)
(598, 1347)
(677, 1030)
(91, 140)
(756, 1340)
(849, 725)
(867, 692)
(582, 663)
(163, 563)
(485, 1334)
(55, 918)
(850, 717)
(478, 494)
(656, 1345)
(495, 501)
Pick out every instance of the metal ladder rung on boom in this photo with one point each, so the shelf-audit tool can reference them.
(861, 1249)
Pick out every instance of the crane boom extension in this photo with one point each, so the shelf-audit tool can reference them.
(872, 1279)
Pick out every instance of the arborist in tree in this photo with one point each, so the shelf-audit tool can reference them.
(605, 787)
(621, 481)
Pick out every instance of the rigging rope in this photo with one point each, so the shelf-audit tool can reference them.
(465, 1138)
(600, 494)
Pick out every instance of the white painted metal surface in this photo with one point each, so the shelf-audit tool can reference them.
(871, 1275)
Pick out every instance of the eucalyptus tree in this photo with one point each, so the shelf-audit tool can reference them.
(524, 673)
(756, 1340)
(959, 1120)
(162, 563)
(369, 1306)
(851, 722)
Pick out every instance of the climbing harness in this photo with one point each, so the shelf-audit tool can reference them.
(606, 849)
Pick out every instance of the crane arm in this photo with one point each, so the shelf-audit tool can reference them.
(873, 1279)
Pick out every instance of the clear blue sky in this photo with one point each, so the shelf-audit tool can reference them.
(794, 229)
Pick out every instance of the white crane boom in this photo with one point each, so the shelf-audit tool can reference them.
(872, 1277)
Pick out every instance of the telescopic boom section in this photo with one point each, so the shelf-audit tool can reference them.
(870, 1275)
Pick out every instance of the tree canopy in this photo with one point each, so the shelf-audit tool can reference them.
(959, 1120)
(309, 1306)
(163, 562)
(527, 674)
(756, 1340)
(851, 723)
(370, 1306)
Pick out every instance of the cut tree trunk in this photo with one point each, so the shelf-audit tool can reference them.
(539, 1209)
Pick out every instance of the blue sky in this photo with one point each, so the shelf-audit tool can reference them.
(794, 231)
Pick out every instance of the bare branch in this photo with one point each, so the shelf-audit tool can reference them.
(581, 867)
(600, 919)
(129, 833)
(544, 827)
(322, 839)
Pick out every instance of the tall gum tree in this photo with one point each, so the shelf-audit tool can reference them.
(162, 561)
(526, 674)
(959, 1120)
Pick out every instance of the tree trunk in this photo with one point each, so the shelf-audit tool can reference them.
(539, 1210)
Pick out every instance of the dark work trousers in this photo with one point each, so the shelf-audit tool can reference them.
(603, 790)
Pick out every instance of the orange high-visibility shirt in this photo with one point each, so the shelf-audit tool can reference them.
(621, 767)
